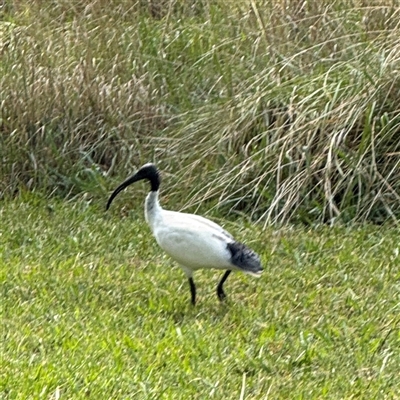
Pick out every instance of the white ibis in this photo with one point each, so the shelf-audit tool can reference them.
(193, 241)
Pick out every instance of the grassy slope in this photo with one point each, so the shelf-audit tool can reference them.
(91, 308)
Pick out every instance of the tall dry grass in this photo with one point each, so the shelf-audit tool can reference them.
(283, 111)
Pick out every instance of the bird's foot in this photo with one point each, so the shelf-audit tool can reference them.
(221, 294)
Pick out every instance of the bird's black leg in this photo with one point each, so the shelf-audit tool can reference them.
(192, 290)
(220, 290)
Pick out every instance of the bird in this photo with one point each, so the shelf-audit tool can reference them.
(193, 241)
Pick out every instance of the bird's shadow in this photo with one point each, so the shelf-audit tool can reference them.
(187, 313)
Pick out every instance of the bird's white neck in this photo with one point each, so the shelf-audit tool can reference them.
(152, 209)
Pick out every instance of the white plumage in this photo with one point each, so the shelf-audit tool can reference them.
(191, 240)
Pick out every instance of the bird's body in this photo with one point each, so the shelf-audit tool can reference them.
(193, 241)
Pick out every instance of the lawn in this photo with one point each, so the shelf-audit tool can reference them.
(92, 308)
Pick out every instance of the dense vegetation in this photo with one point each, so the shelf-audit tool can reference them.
(282, 110)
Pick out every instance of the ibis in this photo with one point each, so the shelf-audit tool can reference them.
(194, 242)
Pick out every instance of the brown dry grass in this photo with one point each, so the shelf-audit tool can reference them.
(285, 111)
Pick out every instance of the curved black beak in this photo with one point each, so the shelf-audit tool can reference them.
(148, 171)
(121, 187)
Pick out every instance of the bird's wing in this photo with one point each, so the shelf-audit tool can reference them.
(198, 221)
(194, 242)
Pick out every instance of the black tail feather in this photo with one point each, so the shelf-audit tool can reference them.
(244, 258)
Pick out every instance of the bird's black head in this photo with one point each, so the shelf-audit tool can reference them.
(148, 171)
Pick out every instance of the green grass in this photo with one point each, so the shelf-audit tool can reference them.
(92, 308)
